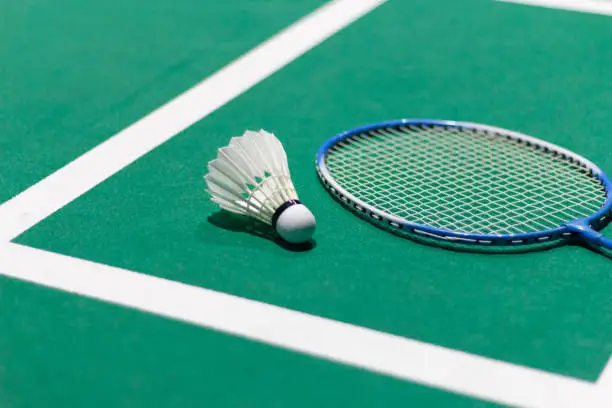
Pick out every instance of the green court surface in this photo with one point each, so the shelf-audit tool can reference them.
(76, 73)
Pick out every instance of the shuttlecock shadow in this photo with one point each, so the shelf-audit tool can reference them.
(243, 224)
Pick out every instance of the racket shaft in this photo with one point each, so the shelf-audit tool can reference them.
(605, 243)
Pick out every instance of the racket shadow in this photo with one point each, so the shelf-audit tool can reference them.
(242, 224)
(476, 249)
(451, 245)
(595, 250)
(497, 250)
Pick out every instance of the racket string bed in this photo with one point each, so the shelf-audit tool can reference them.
(436, 186)
(467, 179)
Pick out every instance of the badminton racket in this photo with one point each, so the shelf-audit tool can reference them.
(466, 183)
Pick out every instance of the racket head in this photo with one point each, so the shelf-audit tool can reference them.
(551, 235)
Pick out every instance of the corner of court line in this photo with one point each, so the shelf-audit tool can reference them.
(378, 352)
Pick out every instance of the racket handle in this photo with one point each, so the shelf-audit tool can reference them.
(589, 235)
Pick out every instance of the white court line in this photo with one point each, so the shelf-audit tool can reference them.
(606, 375)
(375, 351)
(68, 183)
(585, 6)
(379, 352)
(604, 382)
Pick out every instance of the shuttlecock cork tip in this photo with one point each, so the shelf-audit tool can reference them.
(294, 222)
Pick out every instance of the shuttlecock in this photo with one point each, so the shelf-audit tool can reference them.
(250, 176)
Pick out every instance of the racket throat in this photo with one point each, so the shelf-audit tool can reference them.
(584, 231)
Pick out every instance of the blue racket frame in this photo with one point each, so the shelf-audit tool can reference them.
(585, 229)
